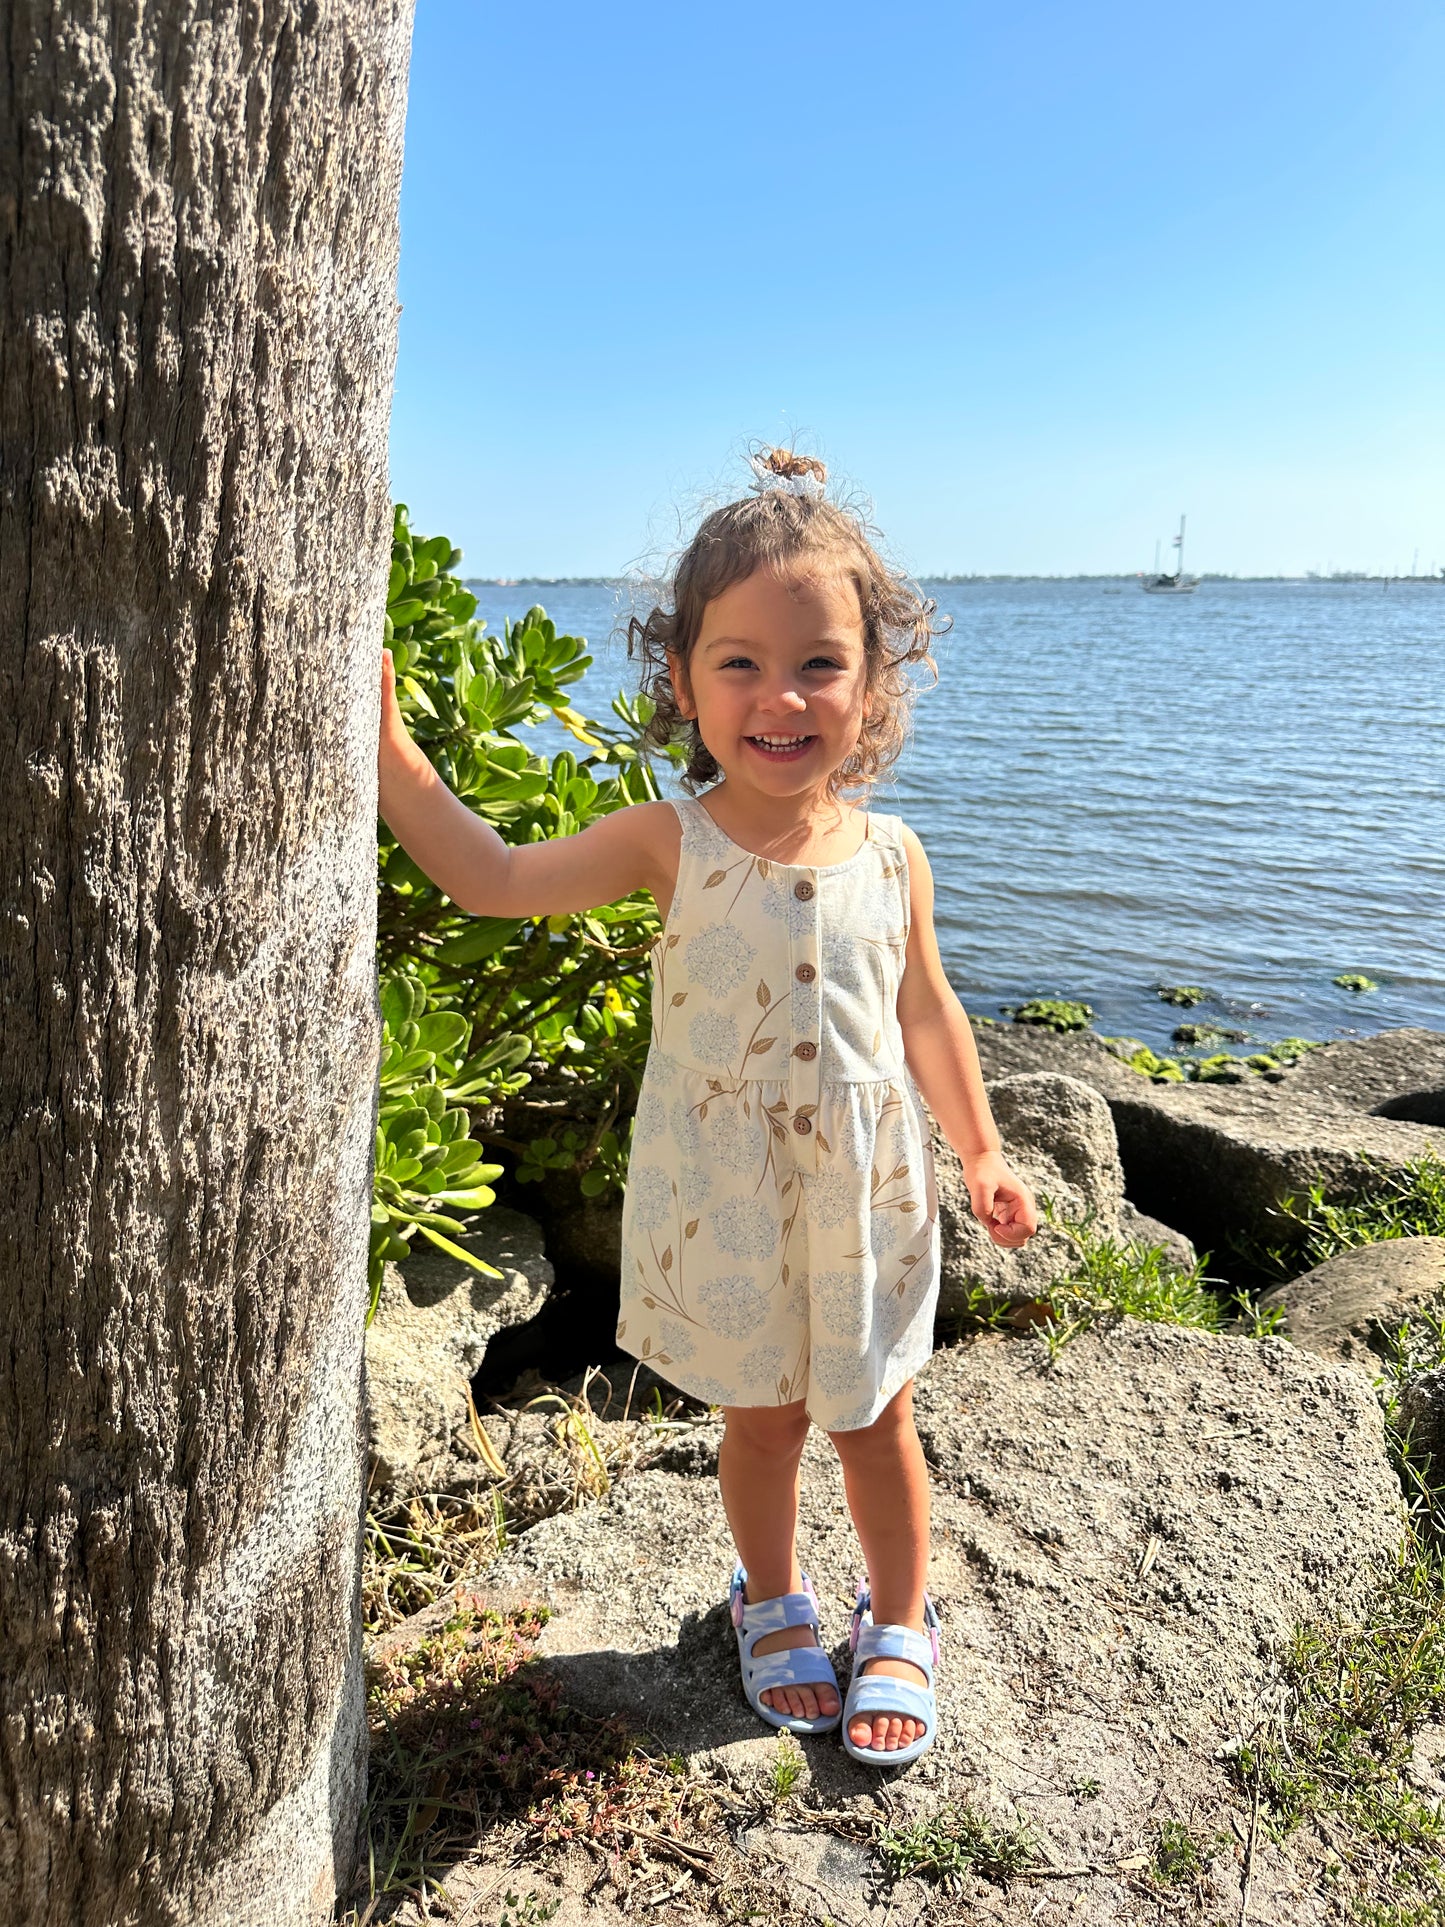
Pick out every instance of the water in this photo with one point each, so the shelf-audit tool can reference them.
(1239, 789)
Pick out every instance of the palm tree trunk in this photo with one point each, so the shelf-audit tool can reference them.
(198, 242)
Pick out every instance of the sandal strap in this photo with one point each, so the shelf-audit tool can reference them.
(880, 1694)
(895, 1642)
(765, 1616)
(795, 1666)
(758, 1617)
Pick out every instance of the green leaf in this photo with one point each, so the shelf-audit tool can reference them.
(484, 937)
(455, 1251)
(444, 1031)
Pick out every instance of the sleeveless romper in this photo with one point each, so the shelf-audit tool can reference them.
(780, 1225)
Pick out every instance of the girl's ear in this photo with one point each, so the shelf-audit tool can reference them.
(677, 675)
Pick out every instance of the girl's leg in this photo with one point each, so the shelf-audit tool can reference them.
(887, 1483)
(757, 1467)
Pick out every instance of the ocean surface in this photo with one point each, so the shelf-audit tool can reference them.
(1240, 789)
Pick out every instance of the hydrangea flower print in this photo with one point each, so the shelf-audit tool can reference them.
(762, 1367)
(841, 1297)
(734, 1307)
(695, 1188)
(836, 1369)
(833, 1198)
(677, 1340)
(738, 1141)
(745, 1228)
(650, 1191)
(711, 1391)
(883, 1232)
(686, 1129)
(650, 1115)
(719, 958)
(713, 1037)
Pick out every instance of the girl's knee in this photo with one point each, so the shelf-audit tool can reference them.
(778, 1431)
(892, 1428)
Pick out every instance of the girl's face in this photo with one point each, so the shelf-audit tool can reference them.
(777, 678)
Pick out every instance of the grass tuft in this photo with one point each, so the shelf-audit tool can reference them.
(1332, 1750)
(785, 1770)
(952, 1842)
(1407, 1203)
(1118, 1275)
(470, 1733)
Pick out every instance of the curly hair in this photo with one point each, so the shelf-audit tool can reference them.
(789, 519)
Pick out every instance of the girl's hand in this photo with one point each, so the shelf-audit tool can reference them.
(1001, 1201)
(394, 733)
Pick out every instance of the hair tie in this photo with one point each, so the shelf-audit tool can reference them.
(803, 476)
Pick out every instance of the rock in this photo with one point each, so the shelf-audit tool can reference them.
(1397, 1074)
(1058, 1134)
(836, 1875)
(1216, 1159)
(1421, 1417)
(430, 1334)
(1349, 1306)
(1138, 1229)
(1123, 1540)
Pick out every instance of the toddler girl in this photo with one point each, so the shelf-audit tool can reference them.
(780, 1229)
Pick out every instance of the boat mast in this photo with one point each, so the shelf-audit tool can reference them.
(1179, 560)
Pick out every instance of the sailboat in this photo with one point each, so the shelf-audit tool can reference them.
(1177, 584)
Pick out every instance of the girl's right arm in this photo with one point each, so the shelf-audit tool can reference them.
(465, 857)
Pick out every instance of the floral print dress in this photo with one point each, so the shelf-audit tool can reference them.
(780, 1228)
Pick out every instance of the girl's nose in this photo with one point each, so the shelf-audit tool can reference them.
(784, 698)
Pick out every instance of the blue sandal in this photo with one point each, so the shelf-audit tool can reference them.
(794, 1666)
(875, 1693)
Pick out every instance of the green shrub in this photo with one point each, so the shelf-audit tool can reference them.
(530, 1035)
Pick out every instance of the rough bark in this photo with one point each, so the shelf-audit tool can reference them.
(198, 242)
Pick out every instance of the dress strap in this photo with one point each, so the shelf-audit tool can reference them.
(701, 838)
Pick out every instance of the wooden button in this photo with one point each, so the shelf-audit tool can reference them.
(802, 1125)
(805, 1050)
(803, 891)
(805, 973)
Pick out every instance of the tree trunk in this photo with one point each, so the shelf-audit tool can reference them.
(198, 240)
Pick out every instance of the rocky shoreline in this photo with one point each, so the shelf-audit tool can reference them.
(1127, 1523)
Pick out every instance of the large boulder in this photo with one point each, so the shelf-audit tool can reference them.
(1350, 1306)
(1058, 1135)
(1123, 1539)
(430, 1334)
(1216, 1160)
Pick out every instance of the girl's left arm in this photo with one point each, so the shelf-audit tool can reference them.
(943, 1058)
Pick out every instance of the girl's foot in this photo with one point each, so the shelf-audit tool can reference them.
(799, 1693)
(803, 1702)
(891, 1712)
(887, 1732)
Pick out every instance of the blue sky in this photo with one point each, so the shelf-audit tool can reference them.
(1034, 277)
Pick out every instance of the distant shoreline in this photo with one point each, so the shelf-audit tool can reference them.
(1341, 580)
